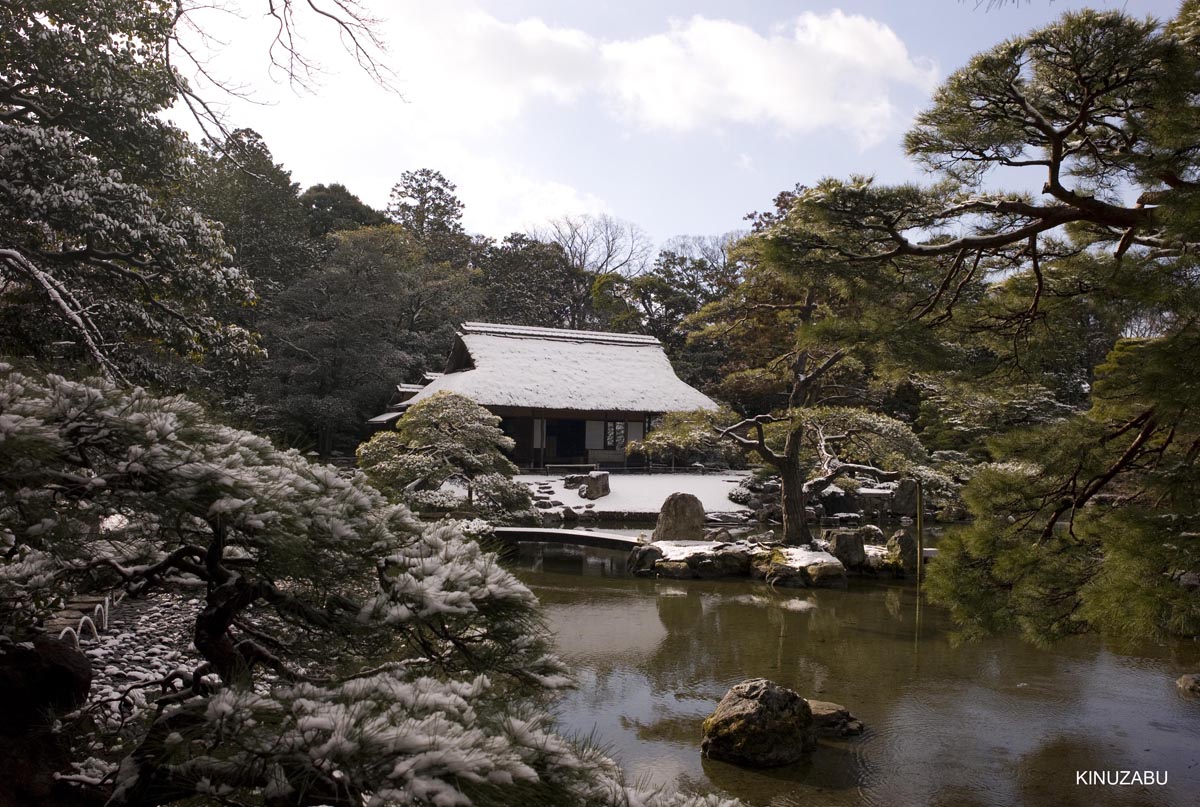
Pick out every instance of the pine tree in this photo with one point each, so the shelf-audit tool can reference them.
(1080, 291)
(347, 654)
(446, 437)
(97, 243)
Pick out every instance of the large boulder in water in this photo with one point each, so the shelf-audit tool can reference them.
(799, 567)
(724, 562)
(759, 724)
(680, 519)
(1189, 684)
(871, 534)
(704, 560)
(826, 573)
(675, 569)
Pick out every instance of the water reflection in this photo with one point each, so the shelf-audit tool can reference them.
(990, 723)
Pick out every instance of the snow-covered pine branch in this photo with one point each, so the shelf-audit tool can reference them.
(312, 579)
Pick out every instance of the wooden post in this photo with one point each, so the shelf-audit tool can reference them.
(543, 449)
(920, 570)
(920, 536)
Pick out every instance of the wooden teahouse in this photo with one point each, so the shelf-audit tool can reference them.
(568, 398)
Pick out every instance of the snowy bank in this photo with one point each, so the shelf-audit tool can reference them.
(778, 565)
(641, 495)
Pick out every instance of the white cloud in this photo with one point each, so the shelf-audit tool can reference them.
(478, 91)
(465, 70)
(503, 199)
(817, 71)
(820, 71)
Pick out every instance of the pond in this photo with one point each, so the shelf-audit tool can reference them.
(995, 722)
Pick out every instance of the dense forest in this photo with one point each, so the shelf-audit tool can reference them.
(187, 335)
(336, 303)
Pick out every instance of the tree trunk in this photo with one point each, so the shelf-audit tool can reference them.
(792, 499)
(793, 502)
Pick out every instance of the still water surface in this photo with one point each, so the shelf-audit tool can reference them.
(989, 723)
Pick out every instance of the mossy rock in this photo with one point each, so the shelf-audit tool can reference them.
(759, 724)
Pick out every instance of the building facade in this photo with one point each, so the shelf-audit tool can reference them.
(567, 398)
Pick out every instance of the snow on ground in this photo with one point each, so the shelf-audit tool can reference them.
(645, 493)
(682, 550)
(794, 556)
(800, 557)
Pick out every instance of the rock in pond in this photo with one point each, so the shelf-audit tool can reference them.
(902, 549)
(1189, 684)
(799, 567)
(759, 724)
(642, 558)
(674, 569)
(721, 563)
(680, 519)
(871, 534)
(595, 485)
(848, 548)
(826, 574)
(834, 720)
(694, 559)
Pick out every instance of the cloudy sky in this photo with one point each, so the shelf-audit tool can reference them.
(679, 116)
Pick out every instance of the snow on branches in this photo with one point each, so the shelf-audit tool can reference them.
(93, 231)
(344, 653)
(446, 437)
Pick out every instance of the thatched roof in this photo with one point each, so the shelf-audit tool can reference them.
(550, 368)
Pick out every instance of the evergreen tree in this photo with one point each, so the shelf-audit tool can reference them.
(525, 282)
(423, 202)
(378, 312)
(345, 653)
(333, 207)
(446, 437)
(99, 247)
(812, 352)
(240, 185)
(1085, 524)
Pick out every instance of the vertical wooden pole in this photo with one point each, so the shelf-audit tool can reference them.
(920, 568)
(920, 534)
(542, 447)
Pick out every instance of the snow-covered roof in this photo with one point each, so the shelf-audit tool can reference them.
(550, 368)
